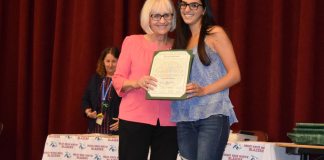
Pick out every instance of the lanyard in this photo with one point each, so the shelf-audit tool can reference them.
(103, 91)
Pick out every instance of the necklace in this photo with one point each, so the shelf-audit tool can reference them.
(104, 92)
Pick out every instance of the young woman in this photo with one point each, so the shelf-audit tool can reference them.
(204, 119)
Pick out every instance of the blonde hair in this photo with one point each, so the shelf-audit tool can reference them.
(156, 6)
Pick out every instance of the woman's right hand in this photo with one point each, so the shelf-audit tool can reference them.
(147, 82)
(91, 114)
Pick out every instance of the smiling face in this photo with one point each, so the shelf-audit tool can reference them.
(160, 22)
(161, 17)
(154, 8)
(191, 11)
(110, 63)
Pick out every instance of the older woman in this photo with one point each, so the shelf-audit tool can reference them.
(145, 123)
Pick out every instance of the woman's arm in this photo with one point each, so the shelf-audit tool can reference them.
(219, 41)
(120, 78)
(122, 82)
(87, 100)
(223, 46)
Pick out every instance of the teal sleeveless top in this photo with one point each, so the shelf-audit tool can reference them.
(197, 108)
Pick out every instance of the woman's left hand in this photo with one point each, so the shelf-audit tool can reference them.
(115, 126)
(194, 90)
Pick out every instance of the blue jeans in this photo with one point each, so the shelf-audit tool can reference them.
(204, 139)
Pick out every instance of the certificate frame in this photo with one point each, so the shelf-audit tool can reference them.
(172, 70)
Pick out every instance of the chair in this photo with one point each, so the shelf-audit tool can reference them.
(262, 136)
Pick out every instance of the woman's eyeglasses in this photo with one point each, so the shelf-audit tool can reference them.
(192, 6)
(157, 17)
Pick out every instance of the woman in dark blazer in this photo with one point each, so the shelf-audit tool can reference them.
(100, 102)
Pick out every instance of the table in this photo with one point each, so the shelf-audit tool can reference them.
(256, 150)
(105, 147)
(304, 150)
(81, 146)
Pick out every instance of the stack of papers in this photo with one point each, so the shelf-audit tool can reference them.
(308, 133)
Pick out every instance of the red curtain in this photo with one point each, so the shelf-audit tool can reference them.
(49, 50)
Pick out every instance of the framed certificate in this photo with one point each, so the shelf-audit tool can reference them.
(171, 68)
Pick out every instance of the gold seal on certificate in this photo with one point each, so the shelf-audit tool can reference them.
(171, 68)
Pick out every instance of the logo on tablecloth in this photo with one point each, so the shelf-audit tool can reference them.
(237, 146)
(67, 155)
(97, 157)
(53, 144)
(82, 146)
(253, 158)
(112, 148)
(98, 138)
(68, 136)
